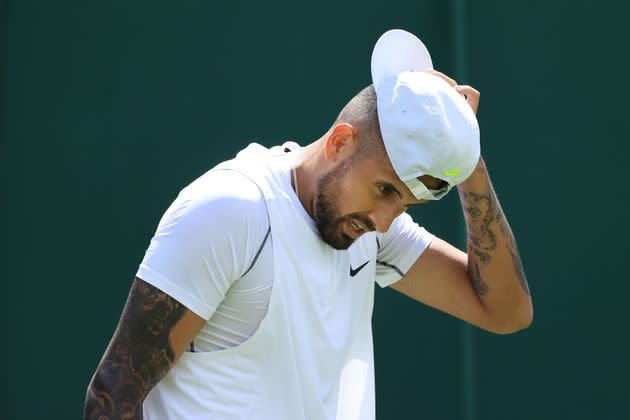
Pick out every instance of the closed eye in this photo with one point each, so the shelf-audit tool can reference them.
(384, 189)
(388, 189)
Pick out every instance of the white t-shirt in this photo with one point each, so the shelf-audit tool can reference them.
(212, 253)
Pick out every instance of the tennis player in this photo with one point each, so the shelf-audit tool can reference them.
(254, 298)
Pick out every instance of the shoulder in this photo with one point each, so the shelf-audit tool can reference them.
(223, 185)
(210, 233)
(221, 196)
(220, 210)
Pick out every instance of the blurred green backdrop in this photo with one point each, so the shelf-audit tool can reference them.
(109, 108)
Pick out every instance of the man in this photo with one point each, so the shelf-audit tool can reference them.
(255, 296)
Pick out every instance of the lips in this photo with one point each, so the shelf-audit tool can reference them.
(354, 228)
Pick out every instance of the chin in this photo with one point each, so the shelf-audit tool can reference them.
(340, 242)
(333, 235)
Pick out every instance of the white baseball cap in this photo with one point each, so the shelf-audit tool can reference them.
(428, 128)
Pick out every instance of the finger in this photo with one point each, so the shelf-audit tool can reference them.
(470, 94)
(443, 77)
(469, 90)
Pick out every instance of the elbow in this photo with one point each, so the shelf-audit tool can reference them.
(518, 322)
(514, 327)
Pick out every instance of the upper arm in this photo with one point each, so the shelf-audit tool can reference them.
(399, 248)
(206, 240)
(439, 278)
(153, 331)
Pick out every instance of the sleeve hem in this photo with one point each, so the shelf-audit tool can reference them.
(175, 291)
(393, 276)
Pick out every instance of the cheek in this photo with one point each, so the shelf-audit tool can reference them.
(354, 198)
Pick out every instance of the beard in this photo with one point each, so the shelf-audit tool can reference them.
(326, 209)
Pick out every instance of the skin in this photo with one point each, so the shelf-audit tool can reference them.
(378, 195)
(372, 186)
(485, 286)
(153, 332)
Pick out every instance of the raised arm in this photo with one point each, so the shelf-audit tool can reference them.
(485, 286)
(494, 263)
(153, 332)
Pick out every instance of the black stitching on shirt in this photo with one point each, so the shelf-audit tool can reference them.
(259, 251)
(392, 266)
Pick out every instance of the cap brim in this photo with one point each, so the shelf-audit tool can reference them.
(397, 51)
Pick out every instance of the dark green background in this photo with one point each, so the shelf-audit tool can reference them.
(110, 107)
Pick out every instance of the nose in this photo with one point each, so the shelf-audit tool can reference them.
(383, 215)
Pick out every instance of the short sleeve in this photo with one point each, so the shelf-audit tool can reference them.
(206, 240)
(399, 248)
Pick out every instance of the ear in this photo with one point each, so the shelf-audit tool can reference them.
(341, 142)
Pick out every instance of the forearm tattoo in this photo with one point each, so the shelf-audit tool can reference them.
(138, 356)
(485, 220)
(475, 279)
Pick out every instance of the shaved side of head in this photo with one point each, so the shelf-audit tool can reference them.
(362, 114)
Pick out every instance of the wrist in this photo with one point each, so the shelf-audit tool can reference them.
(478, 179)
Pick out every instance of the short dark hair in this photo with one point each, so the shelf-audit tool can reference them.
(361, 113)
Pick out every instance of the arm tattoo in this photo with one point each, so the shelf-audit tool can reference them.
(516, 257)
(483, 217)
(138, 356)
(475, 278)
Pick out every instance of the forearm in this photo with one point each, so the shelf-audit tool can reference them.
(114, 394)
(140, 353)
(494, 264)
(123, 379)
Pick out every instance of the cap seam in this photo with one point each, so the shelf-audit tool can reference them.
(441, 136)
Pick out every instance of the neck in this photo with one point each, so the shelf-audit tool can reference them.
(307, 165)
